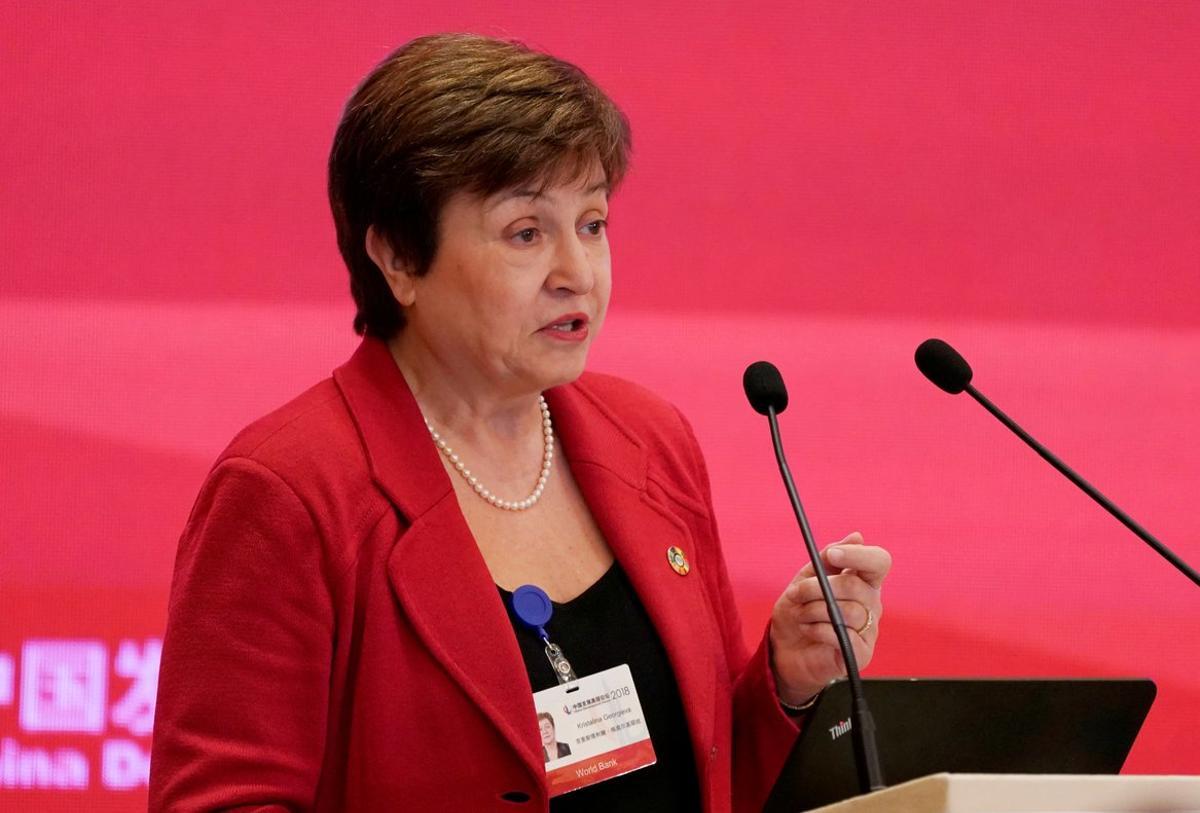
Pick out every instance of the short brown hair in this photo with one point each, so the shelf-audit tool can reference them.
(452, 113)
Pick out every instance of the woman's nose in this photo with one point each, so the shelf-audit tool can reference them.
(572, 267)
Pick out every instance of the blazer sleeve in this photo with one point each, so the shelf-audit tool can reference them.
(763, 734)
(243, 686)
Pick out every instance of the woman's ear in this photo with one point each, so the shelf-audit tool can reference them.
(394, 269)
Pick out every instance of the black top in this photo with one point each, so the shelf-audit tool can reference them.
(603, 627)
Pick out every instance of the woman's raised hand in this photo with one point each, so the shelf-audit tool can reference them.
(804, 648)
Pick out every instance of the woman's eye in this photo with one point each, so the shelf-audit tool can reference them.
(596, 227)
(526, 236)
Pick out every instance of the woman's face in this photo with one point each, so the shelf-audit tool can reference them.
(547, 729)
(519, 286)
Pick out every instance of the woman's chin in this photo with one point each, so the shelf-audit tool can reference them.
(559, 369)
(565, 373)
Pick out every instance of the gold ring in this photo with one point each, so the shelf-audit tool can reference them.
(870, 621)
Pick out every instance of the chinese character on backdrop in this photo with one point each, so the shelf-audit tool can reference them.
(64, 685)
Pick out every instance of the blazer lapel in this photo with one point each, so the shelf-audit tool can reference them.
(611, 467)
(449, 597)
(435, 569)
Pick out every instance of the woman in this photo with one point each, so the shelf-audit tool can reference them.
(342, 633)
(551, 747)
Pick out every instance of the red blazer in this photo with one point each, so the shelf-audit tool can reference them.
(336, 643)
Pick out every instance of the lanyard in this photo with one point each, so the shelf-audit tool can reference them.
(534, 608)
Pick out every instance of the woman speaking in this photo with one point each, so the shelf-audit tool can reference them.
(385, 582)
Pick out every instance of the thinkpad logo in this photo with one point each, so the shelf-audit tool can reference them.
(839, 729)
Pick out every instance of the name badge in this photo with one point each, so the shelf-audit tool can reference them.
(592, 730)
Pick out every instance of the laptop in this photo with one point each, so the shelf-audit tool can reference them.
(925, 726)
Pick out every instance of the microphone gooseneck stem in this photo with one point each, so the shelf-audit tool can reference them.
(862, 732)
(1087, 487)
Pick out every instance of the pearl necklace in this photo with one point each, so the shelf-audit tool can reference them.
(480, 489)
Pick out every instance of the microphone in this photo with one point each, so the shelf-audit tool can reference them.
(942, 365)
(764, 388)
(768, 396)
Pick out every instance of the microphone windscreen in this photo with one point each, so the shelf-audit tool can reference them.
(764, 387)
(942, 365)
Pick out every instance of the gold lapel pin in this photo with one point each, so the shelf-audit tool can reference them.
(678, 561)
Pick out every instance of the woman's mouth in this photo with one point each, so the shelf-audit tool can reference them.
(569, 327)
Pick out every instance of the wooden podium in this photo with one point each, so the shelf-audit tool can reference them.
(1030, 793)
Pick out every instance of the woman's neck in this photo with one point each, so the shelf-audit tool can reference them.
(463, 405)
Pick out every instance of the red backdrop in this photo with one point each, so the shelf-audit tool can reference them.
(823, 186)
